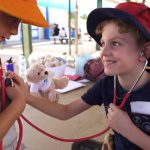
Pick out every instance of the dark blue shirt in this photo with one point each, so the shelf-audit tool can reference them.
(137, 107)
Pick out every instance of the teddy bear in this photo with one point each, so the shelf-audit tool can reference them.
(43, 83)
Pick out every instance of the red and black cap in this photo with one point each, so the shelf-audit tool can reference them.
(134, 13)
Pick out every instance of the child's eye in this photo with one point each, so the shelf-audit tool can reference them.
(114, 43)
(102, 44)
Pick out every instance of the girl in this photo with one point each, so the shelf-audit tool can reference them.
(12, 12)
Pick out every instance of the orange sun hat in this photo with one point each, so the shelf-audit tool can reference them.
(25, 10)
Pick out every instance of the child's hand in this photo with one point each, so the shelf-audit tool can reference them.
(118, 120)
(15, 93)
(19, 86)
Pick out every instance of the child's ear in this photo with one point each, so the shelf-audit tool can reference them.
(142, 57)
(147, 49)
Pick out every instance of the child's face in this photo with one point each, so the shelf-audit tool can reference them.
(119, 52)
(8, 26)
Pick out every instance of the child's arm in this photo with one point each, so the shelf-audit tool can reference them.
(59, 111)
(120, 122)
(62, 112)
(15, 108)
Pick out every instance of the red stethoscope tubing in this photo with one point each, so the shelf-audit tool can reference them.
(20, 134)
(63, 139)
(50, 135)
(123, 101)
(84, 138)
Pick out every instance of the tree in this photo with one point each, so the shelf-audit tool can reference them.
(84, 17)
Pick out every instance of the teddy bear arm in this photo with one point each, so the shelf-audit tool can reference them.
(53, 96)
(61, 83)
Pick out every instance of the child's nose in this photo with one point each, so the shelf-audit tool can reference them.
(14, 28)
(14, 31)
(105, 50)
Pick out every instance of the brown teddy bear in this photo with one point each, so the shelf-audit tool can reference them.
(43, 82)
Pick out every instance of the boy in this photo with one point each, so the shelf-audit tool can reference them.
(124, 35)
(12, 12)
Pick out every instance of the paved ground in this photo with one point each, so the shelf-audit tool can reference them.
(44, 47)
(47, 47)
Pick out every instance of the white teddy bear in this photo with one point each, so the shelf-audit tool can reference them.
(43, 82)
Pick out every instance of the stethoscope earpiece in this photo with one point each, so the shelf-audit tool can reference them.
(141, 53)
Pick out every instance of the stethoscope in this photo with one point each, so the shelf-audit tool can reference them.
(103, 131)
(131, 89)
(125, 98)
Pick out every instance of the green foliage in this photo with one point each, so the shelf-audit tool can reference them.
(84, 17)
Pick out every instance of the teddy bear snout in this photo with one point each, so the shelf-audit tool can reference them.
(46, 72)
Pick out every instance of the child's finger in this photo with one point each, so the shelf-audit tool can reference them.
(113, 106)
(12, 75)
(7, 73)
(110, 111)
(15, 77)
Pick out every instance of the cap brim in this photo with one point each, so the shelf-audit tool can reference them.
(27, 13)
(100, 14)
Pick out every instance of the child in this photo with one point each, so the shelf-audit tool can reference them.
(12, 12)
(124, 35)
